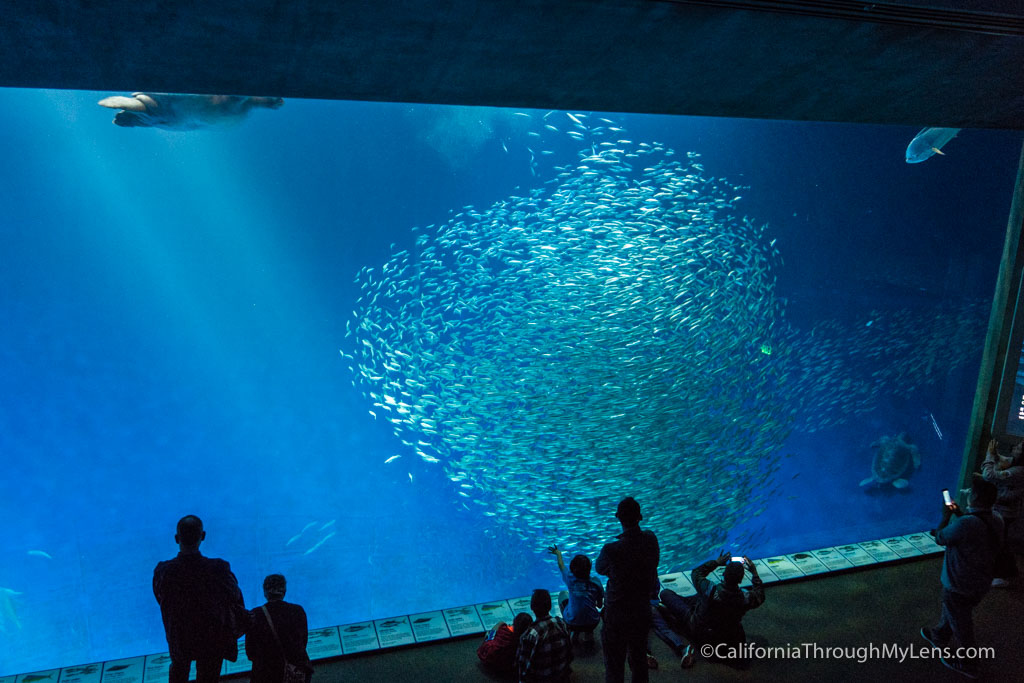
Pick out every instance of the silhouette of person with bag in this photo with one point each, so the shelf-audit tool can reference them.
(277, 637)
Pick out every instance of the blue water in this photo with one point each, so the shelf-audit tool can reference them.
(174, 303)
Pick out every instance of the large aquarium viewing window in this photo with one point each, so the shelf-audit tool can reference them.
(395, 351)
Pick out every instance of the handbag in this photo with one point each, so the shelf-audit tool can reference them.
(292, 673)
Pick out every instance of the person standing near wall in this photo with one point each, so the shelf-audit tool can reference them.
(201, 606)
(631, 565)
(1007, 473)
(278, 634)
(972, 541)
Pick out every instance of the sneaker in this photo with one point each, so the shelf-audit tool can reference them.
(961, 667)
(930, 636)
(1000, 583)
(652, 662)
(689, 657)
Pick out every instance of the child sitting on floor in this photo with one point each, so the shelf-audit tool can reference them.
(498, 651)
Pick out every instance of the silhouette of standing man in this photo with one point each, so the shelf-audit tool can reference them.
(201, 606)
(631, 565)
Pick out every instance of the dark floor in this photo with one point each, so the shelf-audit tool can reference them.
(884, 605)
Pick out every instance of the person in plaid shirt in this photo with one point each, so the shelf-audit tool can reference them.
(545, 651)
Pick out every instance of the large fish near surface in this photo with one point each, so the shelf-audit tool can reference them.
(184, 112)
(929, 142)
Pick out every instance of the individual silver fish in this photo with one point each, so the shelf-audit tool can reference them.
(320, 542)
(299, 535)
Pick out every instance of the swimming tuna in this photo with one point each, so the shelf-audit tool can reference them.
(929, 142)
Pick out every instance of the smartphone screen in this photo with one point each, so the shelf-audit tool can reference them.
(738, 559)
(945, 497)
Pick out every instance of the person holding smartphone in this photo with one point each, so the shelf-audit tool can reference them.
(972, 541)
(714, 615)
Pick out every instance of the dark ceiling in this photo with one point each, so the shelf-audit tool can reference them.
(912, 63)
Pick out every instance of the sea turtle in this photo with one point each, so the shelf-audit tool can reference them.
(183, 112)
(895, 458)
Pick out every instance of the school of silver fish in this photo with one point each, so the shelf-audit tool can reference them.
(617, 331)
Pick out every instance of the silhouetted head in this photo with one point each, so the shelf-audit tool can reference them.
(274, 587)
(580, 566)
(521, 623)
(190, 532)
(733, 574)
(540, 603)
(628, 512)
(983, 493)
